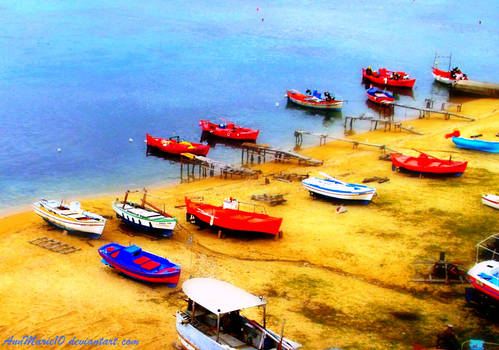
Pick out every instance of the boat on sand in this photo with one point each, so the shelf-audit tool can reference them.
(425, 163)
(491, 200)
(337, 189)
(473, 143)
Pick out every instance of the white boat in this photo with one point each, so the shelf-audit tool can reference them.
(484, 276)
(145, 216)
(212, 320)
(491, 200)
(70, 217)
(334, 188)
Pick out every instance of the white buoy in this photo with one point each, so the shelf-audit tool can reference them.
(341, 209)
(145, 141)
(130, 140)
(59, 149)
(277, 104)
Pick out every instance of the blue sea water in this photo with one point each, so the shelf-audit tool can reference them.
(86, 76)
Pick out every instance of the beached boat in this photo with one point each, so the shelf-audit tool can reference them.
(315, 100)
(212, 320)
(387, 77)
(145, 216)
(379, 96)
(484, 276)
(229, 130)
(70, 217)
(491, 200)
(334, 188)
(426, 163)
(447, 77)
(175, 145)
(230, 217)
(132, 261)
(474, 144)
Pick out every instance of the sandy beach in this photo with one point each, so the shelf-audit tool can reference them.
(338, 280)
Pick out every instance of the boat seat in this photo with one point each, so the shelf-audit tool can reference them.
(115, 254)
(110, 249)
(141, 260)
(150, 265)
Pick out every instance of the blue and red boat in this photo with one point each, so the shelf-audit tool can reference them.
(132, 261)
(379, 96)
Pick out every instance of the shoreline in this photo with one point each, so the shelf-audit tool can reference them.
(339, 280)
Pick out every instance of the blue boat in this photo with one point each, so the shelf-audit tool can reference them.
(132, 261)
(478, 145)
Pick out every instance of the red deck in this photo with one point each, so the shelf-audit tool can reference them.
(172, 146)
(233, 219)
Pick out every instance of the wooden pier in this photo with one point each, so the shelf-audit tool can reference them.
(428, 110)
(387, 123)
(252, 153)
(323, 139)
(194, 167)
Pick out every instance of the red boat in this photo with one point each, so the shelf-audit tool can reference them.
(379, 96)
(229, 217)
(315, 100)
(426, 163)
(229, 130)
(447, 77)
(388, 77)
(175, 145)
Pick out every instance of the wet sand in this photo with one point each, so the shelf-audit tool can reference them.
(339, 280)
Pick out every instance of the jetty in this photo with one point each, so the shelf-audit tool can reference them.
(388, 123)
(252, 153)
(428, 110)
(471, 87)
(323, 139)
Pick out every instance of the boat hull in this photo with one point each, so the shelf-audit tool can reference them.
(159, 228)
(379, 96)
(484, 277)
(491, 200)
(384, 79)
(477, 145)
(231, 131)
(324, 188)
(232, 219)
(92, 228)
(165, 273)
(173, 147)
(442, 76)
(428, 165)
(306, 101)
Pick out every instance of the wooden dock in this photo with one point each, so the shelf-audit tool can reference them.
(323, 139)
(427, 111)
(193, 166)
(252, 153)
(387, 123)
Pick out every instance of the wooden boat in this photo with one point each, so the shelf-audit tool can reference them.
(230, 217)
(315, 100)
(426, 163)
(175, 145)
(447, 77)
(387, 77)
(70, 217)
(491, 200)
(229, 130)
(474, 144)
(334, 188)
(145, 216)
(212, 320)
(132, 261)
(379, 96)
(484, 276)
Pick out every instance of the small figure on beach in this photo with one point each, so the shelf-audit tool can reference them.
(447, 339)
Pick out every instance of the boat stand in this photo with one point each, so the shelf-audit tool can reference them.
(442, 271)
(54, 245)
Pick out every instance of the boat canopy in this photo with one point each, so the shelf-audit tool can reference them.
(219, 297)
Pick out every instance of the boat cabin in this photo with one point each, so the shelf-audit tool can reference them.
(213, 320)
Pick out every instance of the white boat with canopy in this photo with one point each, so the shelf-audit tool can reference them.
(212, 320)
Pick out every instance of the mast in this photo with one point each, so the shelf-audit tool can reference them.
(124, 199)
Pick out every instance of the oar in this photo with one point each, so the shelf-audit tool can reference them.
(282, 335)
(429, 155)
(332, 178)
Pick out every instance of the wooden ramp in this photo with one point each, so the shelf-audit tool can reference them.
(254, 153)
(54, 245)
(192, 166)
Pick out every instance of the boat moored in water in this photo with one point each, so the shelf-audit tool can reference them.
(229, 130)
(334, 188)
(379, 96)
(428, 164)
(145, 216)
(212, 320)
(132, 261)
(315, 100)
(70, 217)
(448, 77)
(387, 77)
(175, 145)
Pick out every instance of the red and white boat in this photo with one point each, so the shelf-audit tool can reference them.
(491, 200)
(229, 217)
(175, 145)
(426, 163)
(229, 130)
(448, 77)
(387, 77)
(315, 100)
(484, 276)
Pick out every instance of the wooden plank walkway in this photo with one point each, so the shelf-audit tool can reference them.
(386, 122)
(258, 153)
(54, 245)
(427, 111)
(206, 167)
